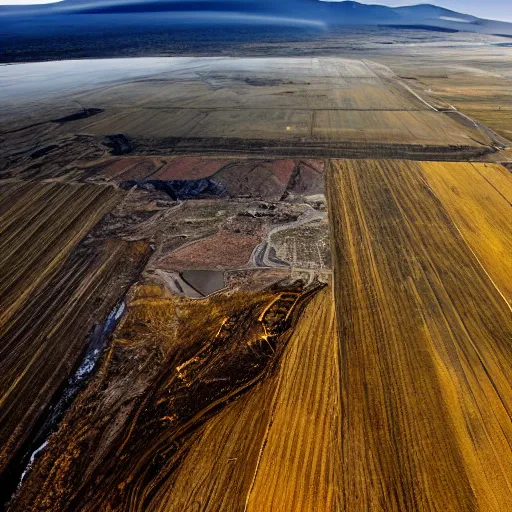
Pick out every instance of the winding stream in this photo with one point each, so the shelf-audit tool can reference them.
(98, 341)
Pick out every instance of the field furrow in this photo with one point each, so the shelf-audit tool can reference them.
(425, 353)
(55, 290)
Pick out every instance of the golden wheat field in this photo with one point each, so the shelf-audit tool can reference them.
(424, 338)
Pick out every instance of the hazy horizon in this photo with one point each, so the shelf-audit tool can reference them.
(491, 9)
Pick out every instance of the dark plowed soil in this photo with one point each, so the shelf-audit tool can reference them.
(305, 149)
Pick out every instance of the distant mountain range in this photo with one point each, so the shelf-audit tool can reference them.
(328, 14)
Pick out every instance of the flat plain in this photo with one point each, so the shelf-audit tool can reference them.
(293, 106)
(256, 284)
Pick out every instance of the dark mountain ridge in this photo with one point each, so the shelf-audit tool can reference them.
(77, 29)
(327, 13)
(313, 10)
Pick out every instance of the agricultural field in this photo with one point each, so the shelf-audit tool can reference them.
(292, 106)
(58, 284)
(425, 356)
(248, 284)
(483, 97)
(476, 83)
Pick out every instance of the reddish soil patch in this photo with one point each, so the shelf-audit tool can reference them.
(129, 168)
(309, 180)
(317, 165)
(282, 169)
(223, 250)
(256, 178)
(189, 168)
(142, 169)
(115, 167)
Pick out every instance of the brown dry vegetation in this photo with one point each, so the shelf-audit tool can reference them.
(289, 460)
(485, 98)
(401, 377)
(173, 364)
(476, 80)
